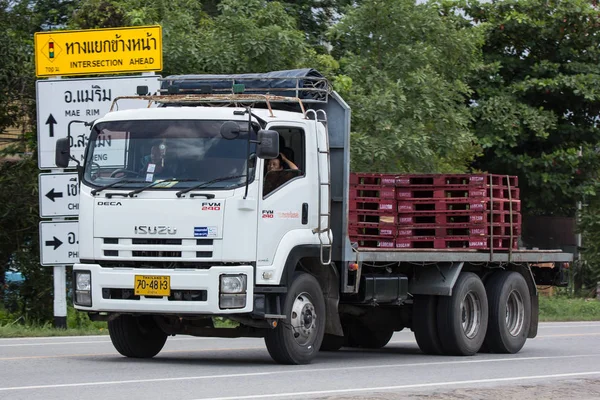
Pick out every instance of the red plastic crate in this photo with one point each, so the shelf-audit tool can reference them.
(458, 230)
(372, 191)
(441, 218)
(421, 180)
(372, 217)
(373, 242)
(376, 230)
(360, 178)
(442, 192)
(373, 204)
(417, 205)
(456, 243)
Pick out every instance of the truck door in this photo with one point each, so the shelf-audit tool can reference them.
(287, 205)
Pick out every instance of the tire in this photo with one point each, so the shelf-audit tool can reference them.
(424, 324)
(136, 337)
(332, 342)
(298, 339)
(510, 312)
(369, 338)
(463, 317)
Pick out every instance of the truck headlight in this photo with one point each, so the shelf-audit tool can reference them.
(83, 288)
(233, 283)
(233, 291)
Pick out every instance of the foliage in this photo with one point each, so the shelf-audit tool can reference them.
(19, 246)
(536, 99)
(403, 71)
(589, 226)
(558, 308)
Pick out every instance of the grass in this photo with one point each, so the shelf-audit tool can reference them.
(78, 324)
(559, 308)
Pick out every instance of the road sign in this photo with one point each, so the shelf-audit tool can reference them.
(62, 101)
(98, 51)
(59, 195)
(59, 242)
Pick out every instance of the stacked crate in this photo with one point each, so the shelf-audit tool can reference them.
(474, 211)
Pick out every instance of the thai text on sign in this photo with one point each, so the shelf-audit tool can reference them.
(98, 51)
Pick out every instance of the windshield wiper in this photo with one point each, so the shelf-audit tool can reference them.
(139, 190)
(101, 188)
(201, 185)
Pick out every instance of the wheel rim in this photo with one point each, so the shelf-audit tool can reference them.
(471, 314)
(515, 313)
(304, 320)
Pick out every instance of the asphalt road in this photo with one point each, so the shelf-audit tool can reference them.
(189, 368)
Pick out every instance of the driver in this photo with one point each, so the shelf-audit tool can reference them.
(277, 175)
(156, 167)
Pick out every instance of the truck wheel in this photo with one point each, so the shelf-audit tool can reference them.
(424, 324)
(463, 317)
(510, 310)
(136, 337)
(297, 339)
(332, 342)
(369, 337)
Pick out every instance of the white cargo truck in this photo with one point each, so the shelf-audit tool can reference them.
(187, 216)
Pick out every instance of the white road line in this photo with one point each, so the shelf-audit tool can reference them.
(291, 370)
(400, 387)
(94, 341)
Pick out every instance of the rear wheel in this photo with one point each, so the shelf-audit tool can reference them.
(136, 337)
(510, 310)
(297, 339)
(463, 317)
(424, 324)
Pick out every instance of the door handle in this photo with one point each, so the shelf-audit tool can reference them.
(304, 213)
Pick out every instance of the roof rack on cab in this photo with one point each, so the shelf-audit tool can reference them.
(278, 89)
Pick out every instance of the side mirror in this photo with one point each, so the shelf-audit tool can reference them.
(63, 153)
(268, 144)
(230, 130)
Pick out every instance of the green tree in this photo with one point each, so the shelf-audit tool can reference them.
(536, 100)
(403, 71)
(244, 35)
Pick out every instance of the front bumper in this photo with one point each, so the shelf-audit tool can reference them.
(181, 280)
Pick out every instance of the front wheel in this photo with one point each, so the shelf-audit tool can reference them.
(136, 337)
(297, 339)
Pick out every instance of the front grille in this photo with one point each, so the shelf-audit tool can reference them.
(166, 242)
(158, 248)
(157, 254)
(176, 295)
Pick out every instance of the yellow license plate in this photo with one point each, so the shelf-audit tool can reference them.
(152, 285)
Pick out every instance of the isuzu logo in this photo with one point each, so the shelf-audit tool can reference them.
(154, 230)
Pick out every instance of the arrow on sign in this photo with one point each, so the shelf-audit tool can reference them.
(53, 195)
(54, 242)
(51, 121)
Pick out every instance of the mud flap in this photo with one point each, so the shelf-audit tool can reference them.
(535, 316)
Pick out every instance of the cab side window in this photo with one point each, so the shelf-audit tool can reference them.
(290, 163)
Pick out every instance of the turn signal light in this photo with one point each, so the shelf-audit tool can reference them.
(353, 267)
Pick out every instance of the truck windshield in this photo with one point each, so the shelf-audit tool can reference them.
(184, 153)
